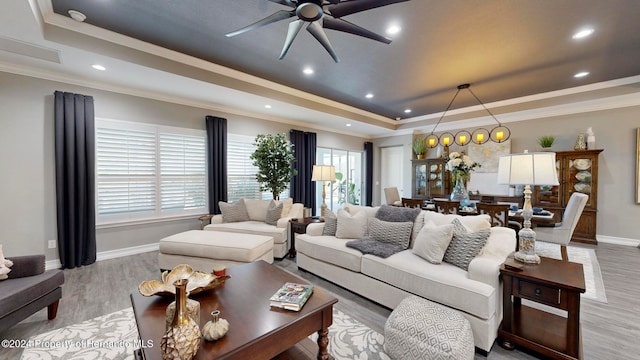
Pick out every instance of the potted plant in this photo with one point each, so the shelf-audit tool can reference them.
(273, 158)
(419, 147)
(546, 141)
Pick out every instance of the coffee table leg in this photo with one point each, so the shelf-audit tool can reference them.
(323, 342)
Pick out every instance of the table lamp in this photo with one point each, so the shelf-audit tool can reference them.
(323, 173)
(528, 169)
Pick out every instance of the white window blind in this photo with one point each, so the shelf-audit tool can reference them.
(241, 174)
(146, 172)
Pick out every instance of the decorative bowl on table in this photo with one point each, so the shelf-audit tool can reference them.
(198, 282)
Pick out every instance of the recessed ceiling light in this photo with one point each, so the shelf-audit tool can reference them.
(77, 15)
(581, 74)
(268, 106)
(369, 96)
(348, 125)
(393, 29)
(407, 111)
(583, 33)
(308, 71)
(99, 67)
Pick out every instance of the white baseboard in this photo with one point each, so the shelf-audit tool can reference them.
(110, 254)
(618, 240)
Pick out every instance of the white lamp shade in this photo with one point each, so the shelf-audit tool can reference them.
(323, 173)
(528, 169)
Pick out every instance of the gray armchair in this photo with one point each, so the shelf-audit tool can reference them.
(29, 289)
(562, 232)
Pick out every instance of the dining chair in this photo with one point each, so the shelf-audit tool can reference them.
(447, 207)
(561, 233)
(412, 203)
(392, 196)
(499, 214)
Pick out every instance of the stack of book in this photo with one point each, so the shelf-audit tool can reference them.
(291, 296)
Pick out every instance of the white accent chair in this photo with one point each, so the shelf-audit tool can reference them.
(562, 232)
(392, 196)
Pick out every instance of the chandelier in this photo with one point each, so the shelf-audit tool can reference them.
(479, 136)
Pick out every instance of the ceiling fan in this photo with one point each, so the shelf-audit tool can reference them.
(320, 14)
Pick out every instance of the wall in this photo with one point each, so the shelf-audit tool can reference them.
(615, 132)
(27, 178)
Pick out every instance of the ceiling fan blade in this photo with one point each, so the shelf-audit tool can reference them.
(352, 7)
(294, 29)
(277, 16)
(284, 2)
(316, 30)
(345, 26)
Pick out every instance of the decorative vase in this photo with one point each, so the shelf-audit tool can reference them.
(192, 308)
(580, 143)
(182, 338)
(216, 328)
(459, 192)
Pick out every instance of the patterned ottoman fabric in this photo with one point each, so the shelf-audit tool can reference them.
(421, 329)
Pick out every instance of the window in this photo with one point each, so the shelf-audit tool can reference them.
(241, 174)
(348, 185)
(147, 172)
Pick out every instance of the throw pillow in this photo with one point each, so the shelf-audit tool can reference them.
(233, 212)
(464, 247)
(257, 209)
(459, 228)
(330, 223)
(4, 266)
(287, 204)
(432, 242)
(273, 213)
(398, 233)
(373, 247)
(351, 226)
(397, 214)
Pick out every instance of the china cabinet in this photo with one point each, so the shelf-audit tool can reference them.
(577, 172)
(429, 179)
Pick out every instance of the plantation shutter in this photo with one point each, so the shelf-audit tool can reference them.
(240, 171)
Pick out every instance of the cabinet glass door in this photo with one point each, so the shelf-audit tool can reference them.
(579, 177)
(420, 179)
(436, 180)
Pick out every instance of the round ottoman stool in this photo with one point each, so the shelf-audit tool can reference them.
(421, 329)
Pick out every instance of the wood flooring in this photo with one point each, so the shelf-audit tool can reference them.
(610, 331)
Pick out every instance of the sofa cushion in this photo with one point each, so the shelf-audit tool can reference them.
(278, 234)
(14, 292)
(330, 250)
(369, 211)
(444, 283)
(287, 204)
(274, 211)
(234, 212)
(464, 247)
(397, 214)
(257, 209)
(473, 222)
(374, 247)
(330, 223)
(351, 225)
(397, 233)
(432, 242)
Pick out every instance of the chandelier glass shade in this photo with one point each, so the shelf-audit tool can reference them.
(479, 136)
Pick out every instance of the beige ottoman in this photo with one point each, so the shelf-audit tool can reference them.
(204, 249)
(420, 329)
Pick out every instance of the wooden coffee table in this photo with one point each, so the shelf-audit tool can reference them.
(256, 330)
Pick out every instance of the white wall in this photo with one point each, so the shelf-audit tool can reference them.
(27, 178)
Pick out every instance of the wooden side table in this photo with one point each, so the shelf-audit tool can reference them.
(299, 226)
(204, 219)
(554, 283)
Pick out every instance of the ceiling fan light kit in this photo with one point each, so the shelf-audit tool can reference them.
(320, 15)
(479, 136)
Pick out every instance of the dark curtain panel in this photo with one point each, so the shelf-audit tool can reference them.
(217, 161)
(368, 173)
(75, 178)
(302, 189)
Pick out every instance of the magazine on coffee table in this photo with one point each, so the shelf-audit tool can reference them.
(291, 296)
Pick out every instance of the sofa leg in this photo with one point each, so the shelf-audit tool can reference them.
(482, 352)
(52, 310)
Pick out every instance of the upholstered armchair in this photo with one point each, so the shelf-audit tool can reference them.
(29, 289)
(561, 233)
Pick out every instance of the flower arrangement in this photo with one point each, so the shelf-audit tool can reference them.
(460, 166)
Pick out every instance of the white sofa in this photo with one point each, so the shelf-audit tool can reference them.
(476, 293)
(257, 210)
